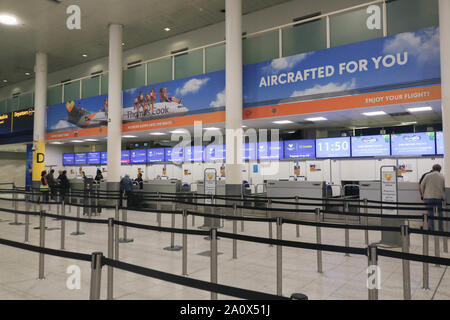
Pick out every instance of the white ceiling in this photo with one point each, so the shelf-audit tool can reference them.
(43, 27)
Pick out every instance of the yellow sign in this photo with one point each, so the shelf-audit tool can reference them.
(38, 160)
(23, 113)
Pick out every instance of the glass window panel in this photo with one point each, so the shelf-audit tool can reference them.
(54, 95)
(351, 27)
(261, 48)
(160, 71)
(134, 77)
(105, 83)
(13, 104)
(3, 108)
(189, 64)
(409, 15)
(306, 37)
(26, 101)
(215, 58)
(72, 91)
(90, 87)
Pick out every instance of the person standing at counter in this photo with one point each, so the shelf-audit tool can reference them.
(64, 184)
(44, 188)
(126, 187)
(99, 176)
(433, 189)
(52, 184)
(140, 181)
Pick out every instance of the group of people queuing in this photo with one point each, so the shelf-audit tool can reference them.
(50, 186)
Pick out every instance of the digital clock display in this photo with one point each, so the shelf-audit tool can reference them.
(333, 147)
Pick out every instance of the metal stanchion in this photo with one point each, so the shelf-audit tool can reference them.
(41, 243)
(116, 233)
(269, 215)
(366, 212)
(109, 292)
(96, 275)
(372, 272)
(279, 257)
(63, 226)
(184, 253)
(425, 253)
(125, 219)
(78, 232)
(297, 227)
(213, 236)
(196, 210)
(158, 207)
(70, 200)
(173, 247)
(347, 231)
(16, 215)
(437, 249)
(445, 225)
(405, 263)
(234, 232)
(318, 241)
(27, 227)
(242, 212)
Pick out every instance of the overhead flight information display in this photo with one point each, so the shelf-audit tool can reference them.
(68, 159)
(214, 152)
(333, 147)
(104, 157)
(300, 149)
(80, 158)
(272, 150)
(93, 158)
(125, 156)
(194, 154)
(175, 154)
(371, 146)
(249, 151)
(413, 144)
(440, 142)
(138, 156)
(155, 155)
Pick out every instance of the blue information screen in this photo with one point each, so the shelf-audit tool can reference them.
(440, 142)
(68, 159)
(249, 151)
(93, 158)
(300, 149)
(80, 158)
(333, 147)
(371, 146)
(272, 150)
(175, 154)
(214, 152)
(104, 157)
(413, 144)
(125, 156)
(155, 155)
(194, 154)
(139, 156)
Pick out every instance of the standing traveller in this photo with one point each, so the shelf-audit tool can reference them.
(52, 184)
(64, 184)
(433, 189)
(44, 188)
(126, 187)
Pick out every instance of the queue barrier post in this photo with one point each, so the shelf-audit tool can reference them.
(109, 292)
(279, 257)
(70, 199)
(63, 225)
(242, 212)
(116, 232)
(16, 215)
(269, 215)
(196, 209)
(318, 241)
(158, 207)
(96, 275)
(125, 219)
(41, 243)
(184, 253)
(213, 235)
(366, 212)
(445, 225)
(297, 227)
(78, 232)
(425, 248)
(234, 232)
(347, 231)
(27, 227)
(373, 279)
(437, 250)
(172, 246)
(406, 264)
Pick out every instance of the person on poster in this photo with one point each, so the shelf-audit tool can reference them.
(105, 107)
(433, 188)
(152, 99)
(164, 96)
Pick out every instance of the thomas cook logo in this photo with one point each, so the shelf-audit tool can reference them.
(388, 176)
(210, 176)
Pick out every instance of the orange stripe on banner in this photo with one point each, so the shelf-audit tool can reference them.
(77, 133)
(348, 102)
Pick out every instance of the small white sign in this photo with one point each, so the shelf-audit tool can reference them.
(389, 189)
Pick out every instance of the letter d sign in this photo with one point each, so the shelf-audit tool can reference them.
(40, 158)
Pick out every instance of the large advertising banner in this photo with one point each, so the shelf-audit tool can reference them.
(404, 68)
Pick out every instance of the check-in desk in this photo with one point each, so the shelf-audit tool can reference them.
(172, 187)
(306, 189)
(407, 192)
(220, 191)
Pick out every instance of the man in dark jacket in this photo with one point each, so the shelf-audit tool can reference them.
(52, 184)
(126, 186)
(64, 184)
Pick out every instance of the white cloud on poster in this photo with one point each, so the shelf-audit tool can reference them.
(285, 63)
(327, 88)
(192, 86)
(62, 124)
(425, 48)
(220, 100)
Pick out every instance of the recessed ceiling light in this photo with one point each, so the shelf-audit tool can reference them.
(90, 140)
(157, 134)
(77, 141)
(8, 20)
(408, 123)
(27, 73)
(244, 126)
(211, 129)
(291, 132)
(128, 136)
(179, 131)
(374, 113)
(282, 122)
(166, 29)
(56, 142)
(5, 80)
(419, 109)
(123, 43)
(85, 55)
(316, 119)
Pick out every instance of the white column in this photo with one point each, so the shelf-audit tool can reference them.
(114, 105)
(233, 124)
(444, 26)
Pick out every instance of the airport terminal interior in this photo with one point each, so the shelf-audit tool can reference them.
(224, 149)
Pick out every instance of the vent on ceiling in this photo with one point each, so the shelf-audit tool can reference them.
(308, 16)
(399, 114)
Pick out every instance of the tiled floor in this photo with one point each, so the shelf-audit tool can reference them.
(342, 278)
